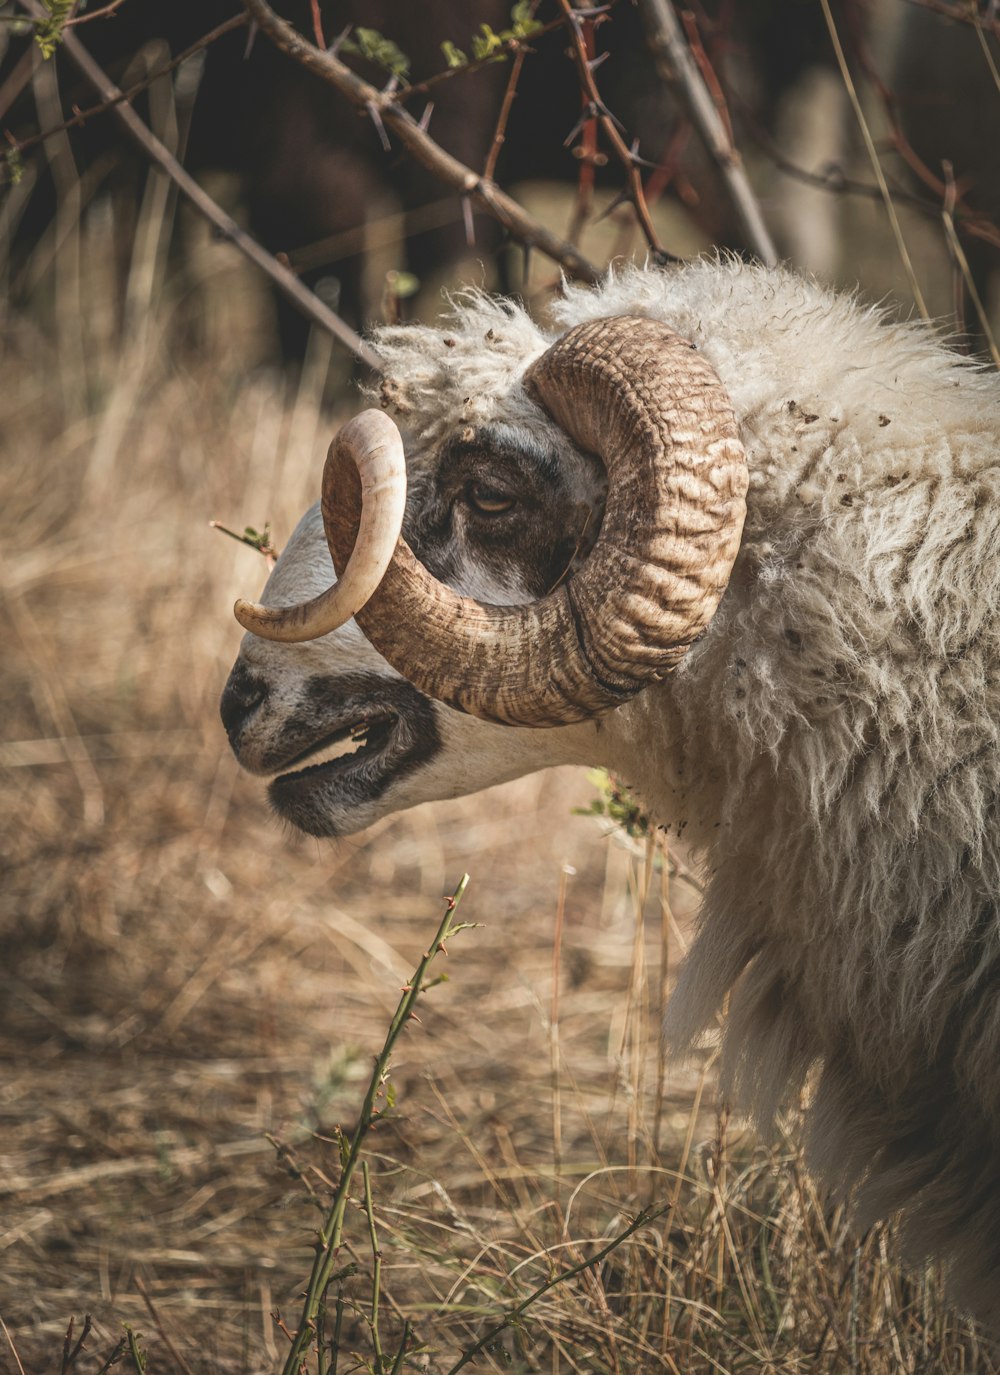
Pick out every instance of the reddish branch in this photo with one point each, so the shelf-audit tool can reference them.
(317, 19)
(508, 100)
(586, 151)
(102, 13)
(386, 111)
(945, 189)
(598, 110)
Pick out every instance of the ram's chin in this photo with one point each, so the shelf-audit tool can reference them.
(330, 808)
(358, 771)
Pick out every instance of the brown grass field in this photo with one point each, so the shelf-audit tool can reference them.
(192, 996)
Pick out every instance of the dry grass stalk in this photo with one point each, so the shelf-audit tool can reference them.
(181, 979)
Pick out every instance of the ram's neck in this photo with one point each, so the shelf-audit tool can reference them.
(640, 744)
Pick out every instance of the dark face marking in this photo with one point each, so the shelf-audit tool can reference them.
(500, 502)
(398, 732)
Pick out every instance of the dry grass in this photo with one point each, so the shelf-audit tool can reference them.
(182, 978)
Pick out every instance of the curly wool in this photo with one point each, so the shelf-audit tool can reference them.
(832, 744)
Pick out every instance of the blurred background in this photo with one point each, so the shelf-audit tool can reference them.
(191, 995)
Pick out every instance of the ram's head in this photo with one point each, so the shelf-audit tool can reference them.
(557, 559)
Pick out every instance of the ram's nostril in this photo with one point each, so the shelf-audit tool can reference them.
(241, 697)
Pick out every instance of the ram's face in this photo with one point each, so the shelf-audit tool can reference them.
(569, 540)
(498, 513)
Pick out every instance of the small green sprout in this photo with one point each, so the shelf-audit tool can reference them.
(617, 805)
(256, 539)
(374, 46)
(49, 32)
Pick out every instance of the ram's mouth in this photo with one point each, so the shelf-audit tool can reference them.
(356, 744)
(377, 731)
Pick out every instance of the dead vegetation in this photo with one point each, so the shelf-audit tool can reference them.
(192, 997)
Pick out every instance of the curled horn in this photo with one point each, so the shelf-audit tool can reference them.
(371, 445)
(640, 397)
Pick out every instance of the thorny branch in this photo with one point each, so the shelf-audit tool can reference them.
(596, 109)
(385, 110)
(330, 1235)
(285, 280)
(587, 152)
(500, 133)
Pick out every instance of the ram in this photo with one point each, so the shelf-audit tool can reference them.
(737, 539)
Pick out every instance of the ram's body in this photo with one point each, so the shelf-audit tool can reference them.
(831, 744)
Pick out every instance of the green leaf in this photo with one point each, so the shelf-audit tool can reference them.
(49, 33)
(523, 23)
(486, 43)
(134, 1349)
(374, 46)
(617, 804)
(15, 166)
(454, 57)
(402, 284)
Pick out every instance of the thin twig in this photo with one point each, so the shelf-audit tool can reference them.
(103, 13)
(487, 1339)
(599, 111)
(317, 19)
(384, 107)
(328, 1242)
(70, 1353)
(286, 282)
(373, 1323)
(157, 1323)
(963, 13)
(587, 152)
(10, 1343)
(500, 133)
(962, 262)
(873, 157)
(678, 68)
(238, 21)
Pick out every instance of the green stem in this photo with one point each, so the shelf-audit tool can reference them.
(376, 1270)
(397, 1364)
(331, 1232)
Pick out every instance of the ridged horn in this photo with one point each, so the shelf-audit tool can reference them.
(372, 446)
(641, 398)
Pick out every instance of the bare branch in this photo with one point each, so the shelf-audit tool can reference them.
(104, 12)
(963, 13)
(678, 68)
(285, 280)
(500, 133)
(80, 117)
(514, 218)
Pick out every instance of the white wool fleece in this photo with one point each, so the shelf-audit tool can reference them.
(832, 743)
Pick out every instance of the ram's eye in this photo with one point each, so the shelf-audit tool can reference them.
(488, 501)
